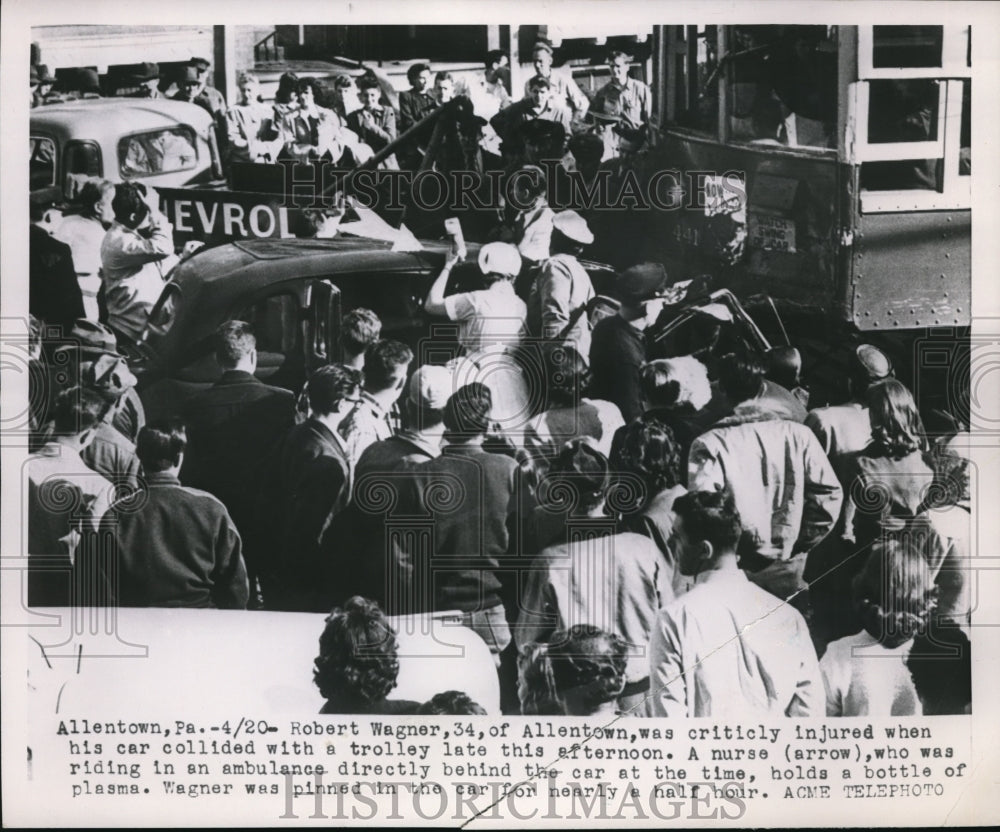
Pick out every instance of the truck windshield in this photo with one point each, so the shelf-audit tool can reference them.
(158, 151)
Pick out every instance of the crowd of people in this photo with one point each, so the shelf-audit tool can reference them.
(625, 531)
(661, 536)
(346, 120)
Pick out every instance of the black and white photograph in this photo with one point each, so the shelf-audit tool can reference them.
(414, 415)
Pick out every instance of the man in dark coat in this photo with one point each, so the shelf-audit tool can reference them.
(376, 561)
(618, 344)
(232, 428)
(307, 484)
(54, 294)
(177, 546)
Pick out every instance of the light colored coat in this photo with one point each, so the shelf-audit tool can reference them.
(785, 489)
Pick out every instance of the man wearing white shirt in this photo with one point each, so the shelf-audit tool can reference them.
(136, 254)
(727, 648)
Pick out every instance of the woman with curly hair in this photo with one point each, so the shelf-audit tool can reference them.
(357, 664)
(866, 674)
(592, 573)
(580, 672)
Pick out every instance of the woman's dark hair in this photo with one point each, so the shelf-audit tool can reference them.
(940, 664)
(451, 702)
(467, 412)
(287, 87)
(648, 448)
(566, 375)
(129, 204)
(160, 444)
(91, 194)
(894, 593)
(590, 661)
(309, 84)
(494, 56)
(896, 425)
(741, 374)
(415, 70)
(357, 662)
(578, 478)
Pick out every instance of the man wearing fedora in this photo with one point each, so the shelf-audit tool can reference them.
(45, 80)
(618, 345)
(93, 356)
(629, 101)
(147, 81)
(557, 302)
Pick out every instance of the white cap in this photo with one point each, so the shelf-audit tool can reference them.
(500, 258)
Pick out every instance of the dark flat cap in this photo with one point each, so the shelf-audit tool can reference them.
(146, 72)
(642, 282)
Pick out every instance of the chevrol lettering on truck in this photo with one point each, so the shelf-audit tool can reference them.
(223, 215)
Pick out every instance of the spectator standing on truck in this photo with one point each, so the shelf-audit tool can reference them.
(565, 92)
(146, 79)
(374, 124)
(488, 92)
(193, 88)
(415, 104)
(540, 103)
(311, 132)
(627, 98)
(136, 254)
(252, 133)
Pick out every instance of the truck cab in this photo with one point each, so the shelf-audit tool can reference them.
(157, 141)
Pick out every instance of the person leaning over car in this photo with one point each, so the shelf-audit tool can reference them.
(136, 254)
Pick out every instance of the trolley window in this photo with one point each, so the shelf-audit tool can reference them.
(910, 118)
